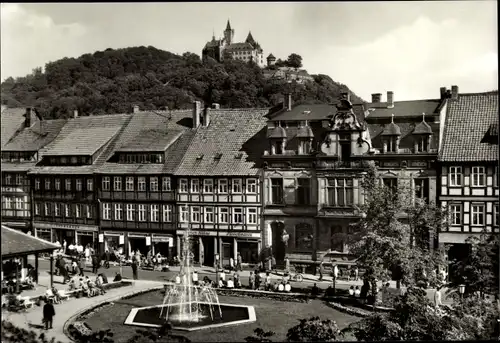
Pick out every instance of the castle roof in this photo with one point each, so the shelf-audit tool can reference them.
(240, 46)
(250, 38)
(271, 57)
(228, 26)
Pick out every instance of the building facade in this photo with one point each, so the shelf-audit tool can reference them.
(219, 186)
(468, 169)
(224, 48)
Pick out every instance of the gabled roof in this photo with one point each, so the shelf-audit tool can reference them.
(409, 108)
(36, 137)
(271, 57)
(467, 121)
(86, 135)
(422, 128)
(250, 38)
(12, 120)
(232, 144)
(16, 243)
(391, 130)
(173, 132)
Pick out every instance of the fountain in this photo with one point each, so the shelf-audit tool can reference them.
(188, 306)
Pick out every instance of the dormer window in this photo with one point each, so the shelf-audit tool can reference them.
(391, 136)
(391, 144)
(422, 144)
(422, 134)
(305, 137)
(277, 137)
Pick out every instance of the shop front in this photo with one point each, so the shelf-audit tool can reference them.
(71, 233)
(139, 242)
(163, 244)
(207, 243)
(113, 241)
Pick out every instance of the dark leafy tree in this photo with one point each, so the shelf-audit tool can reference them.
(314, 330)
(294, 61)
(260, 336)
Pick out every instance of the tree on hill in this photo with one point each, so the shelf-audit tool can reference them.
(294, 61)
(113, 80)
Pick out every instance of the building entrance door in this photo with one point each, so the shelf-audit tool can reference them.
(279, 247)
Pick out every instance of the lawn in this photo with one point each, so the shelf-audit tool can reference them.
(271, 315)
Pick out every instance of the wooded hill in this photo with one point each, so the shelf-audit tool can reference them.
(112, 81)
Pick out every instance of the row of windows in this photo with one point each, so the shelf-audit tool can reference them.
(68, 160)
(141, 158)
(64, 210)
(15, 179)
(131, 184)
(17, 203)
(391, 144)
(223, 186)
(477, 214)
(68, 185)
(23, 156)
(195, 214)
(478, 176)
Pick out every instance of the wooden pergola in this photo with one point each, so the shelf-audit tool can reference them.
(16, 244)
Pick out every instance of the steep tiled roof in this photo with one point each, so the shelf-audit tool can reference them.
(238, 46)
(36, 137)
(12, 120)
(270, 57)
(467, 121)
(391, 130)
(172, 130)
(231, 144)
(409, 108)
(422, 128)
(276, 132)
(305, 132)
(305, 112)
(16, 167)
(17, 243)
(86, 135)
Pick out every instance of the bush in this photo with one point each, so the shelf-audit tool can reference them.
(314, 330)
(260, 336)
(13, 334)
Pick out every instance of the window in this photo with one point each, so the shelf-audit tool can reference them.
(129, 184)
(183, 186)
(456, 214)
(8, 203)
(184, 214)
(495, 214)
(303, 236)
(153, 184)
(423, 144)
(195, 186)
(167, 213)
(19, 203)
(57, 210)
(209, 214)
(117, 183)
(455, 176)
(303, 191)
(57, 184)
(89, 211)
(37, 183)
(78, 210)
(78, 184)
(118, 212)
(252, 216)
(195, 214)
(477, 214)
(345, 146)
(90, 185)
(166, 184)
(8, 179)
(67, 184)
(237, 215)
(208, 186)
(37, 209)
(391, 144)
(223, 186)
(340, 192)
(142, 213)
(130, 212)
(105, 183)
(277, 191)
(19, 179)
(46, 209)
(224, 215)
(154, 212)
(422, 189)
(478, 177)
(141, 184)
(237, 188)
(252, 186)
(495, 177)
(47, 184)
(67, 212)
(106, 211)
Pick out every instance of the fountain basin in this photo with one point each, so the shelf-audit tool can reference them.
(231, 315)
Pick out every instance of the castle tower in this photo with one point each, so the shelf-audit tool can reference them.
(228, 34)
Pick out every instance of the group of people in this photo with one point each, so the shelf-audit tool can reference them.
(88, 286)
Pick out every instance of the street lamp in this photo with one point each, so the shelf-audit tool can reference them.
(461, 290)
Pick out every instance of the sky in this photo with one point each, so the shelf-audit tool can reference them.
(411, 48)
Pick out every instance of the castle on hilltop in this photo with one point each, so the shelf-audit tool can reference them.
(219, 49)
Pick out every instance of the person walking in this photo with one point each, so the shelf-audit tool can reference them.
(107, 257)
(268, 281)
(437, 297)
(321, 270)
(356, 274)
(251, 280)
(257, 279)
(95, 264)
(239, 262)
(134, 269)
(231, 264)
(82, 266)
(48, 314)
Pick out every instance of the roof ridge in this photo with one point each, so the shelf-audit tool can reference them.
(112, 143)
(31, 236)
(184, 155)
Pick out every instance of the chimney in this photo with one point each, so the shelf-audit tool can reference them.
(215, 106)
(27, 116)
(454, 92)
(196, 114)
(135, 109)
(346, 95)
(206, 116)
(287, 103)
(390, 99)
(376, 98)
(75, 114)
(442, 91)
